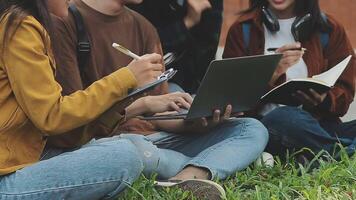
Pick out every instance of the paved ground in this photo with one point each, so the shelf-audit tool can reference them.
(348, 117)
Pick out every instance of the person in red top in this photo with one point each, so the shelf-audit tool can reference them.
(315, 124)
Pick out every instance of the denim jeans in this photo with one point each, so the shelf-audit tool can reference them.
(173, 87)
(103, 168)
(98, 170)
(293, 129)
(228, 148)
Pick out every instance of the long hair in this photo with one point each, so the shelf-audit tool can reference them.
(302, 7)
(17, 10)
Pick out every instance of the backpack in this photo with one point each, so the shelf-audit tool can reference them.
(246, 29)
(83, 43)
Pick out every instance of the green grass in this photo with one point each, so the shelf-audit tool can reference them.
(286, 180)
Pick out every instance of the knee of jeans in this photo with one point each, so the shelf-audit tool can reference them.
(281, 116)
(256, 131)
(124, 153)
(121, 160)
(148, 152)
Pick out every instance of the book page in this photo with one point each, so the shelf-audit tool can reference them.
(330, 77)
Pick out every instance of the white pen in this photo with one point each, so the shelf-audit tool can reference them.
(125, 51)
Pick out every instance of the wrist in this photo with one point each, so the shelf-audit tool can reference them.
(137, 108)
(188, 22)
(143, 105)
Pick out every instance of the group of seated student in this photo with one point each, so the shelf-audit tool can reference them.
(63, 138)
(68, 132)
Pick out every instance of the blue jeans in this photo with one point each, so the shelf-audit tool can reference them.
(228, 148)
(293, 129)
(103, 168)
(173, 87)
(98, 170)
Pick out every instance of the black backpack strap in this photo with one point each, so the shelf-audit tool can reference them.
(83, 44)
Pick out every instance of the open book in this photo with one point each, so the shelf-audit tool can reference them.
(321, 83)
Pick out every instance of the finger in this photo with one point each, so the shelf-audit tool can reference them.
(155, 74)
(183, 95)
(152, 58)
(204, 122)
(239, 114)
(187, 97)
(301, 99)
(292, 62)
(174, 106)
(228, 112)
(216, 116)
(183, 102)
(292, 59)
(156, 67)
(307, 98)
(288, 47)
(283, 68)
(288, 62)
(317, 96)
(289, 59)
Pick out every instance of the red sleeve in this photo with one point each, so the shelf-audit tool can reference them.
(339, 48)
(234, 46)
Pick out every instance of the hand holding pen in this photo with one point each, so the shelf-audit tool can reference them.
(292, 53)
(145, 68)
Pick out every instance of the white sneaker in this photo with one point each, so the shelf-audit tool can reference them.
(266, 159)
(201, 189)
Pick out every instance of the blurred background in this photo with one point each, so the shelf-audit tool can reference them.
(343, 10)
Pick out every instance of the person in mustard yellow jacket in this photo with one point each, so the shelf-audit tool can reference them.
(32, 109)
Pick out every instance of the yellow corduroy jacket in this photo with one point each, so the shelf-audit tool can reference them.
(31, 105)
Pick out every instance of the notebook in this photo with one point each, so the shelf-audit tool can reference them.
(320, 83)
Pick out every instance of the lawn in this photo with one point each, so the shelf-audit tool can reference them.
(286, 180)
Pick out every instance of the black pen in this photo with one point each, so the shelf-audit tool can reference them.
(295, 49)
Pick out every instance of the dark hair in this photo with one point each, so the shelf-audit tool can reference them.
(17, 10)
(302, 7)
